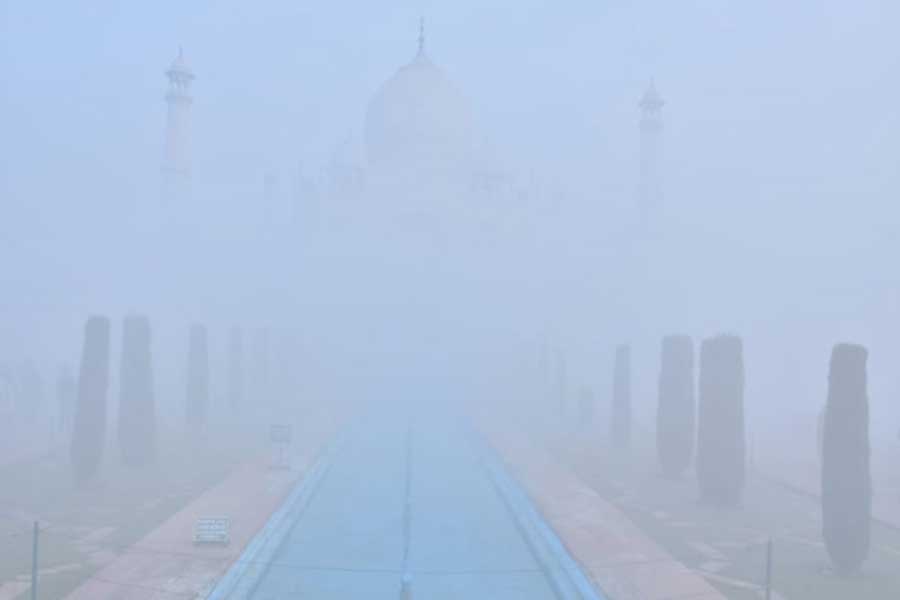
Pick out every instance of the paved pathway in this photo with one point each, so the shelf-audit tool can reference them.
(355, 539)
(618, 556)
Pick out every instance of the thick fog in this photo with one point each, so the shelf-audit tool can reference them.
(779, 157)
(777, 221)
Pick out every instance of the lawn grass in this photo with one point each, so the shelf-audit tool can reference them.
(82, 526)
(728, 545)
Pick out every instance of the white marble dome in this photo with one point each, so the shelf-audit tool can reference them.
(419, 121)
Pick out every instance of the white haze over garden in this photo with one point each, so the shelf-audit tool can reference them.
(779, 220)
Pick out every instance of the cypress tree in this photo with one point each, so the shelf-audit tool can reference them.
(197, 379)
(7, 392)
(137, 411)
(620, 423)
(720, 431)
(676, 412)
(235, 384)
(561, 390)
(89, 430)
(846, 479)
(66, 394)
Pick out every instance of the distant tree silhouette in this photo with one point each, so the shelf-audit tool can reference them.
(676, 412)
(197, 379)
(66, 395)
(262, 385)
(620, 423)
(846, 479)
(235, 383)
(720, 433)
(137, 410)
(31, 398)
(586, 406)
(89, 431)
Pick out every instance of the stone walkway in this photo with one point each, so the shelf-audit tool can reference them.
(404, 510)
(619, 558)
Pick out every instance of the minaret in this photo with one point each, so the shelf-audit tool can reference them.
(176, 165)
(650, 183)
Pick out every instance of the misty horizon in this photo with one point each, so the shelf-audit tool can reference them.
(457, 201)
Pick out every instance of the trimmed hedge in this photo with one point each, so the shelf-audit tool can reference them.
(89, 429)
(721, 447)
(676, 414)
(846, 478)
(620, 423)
(197, 398)
(137, 405)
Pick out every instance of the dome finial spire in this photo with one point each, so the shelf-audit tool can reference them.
(651, 101)
(421, 36)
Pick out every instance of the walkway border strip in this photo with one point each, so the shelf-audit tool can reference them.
(565, 574)
(246, 572)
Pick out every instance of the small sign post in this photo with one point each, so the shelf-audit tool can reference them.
(281, 436)
(34, 562)
(212, 530)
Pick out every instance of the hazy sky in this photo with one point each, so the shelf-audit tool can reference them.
(774, 95)
(782, 130)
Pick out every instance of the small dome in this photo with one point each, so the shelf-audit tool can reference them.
(419, 120)
(651, 100)
(179, 68)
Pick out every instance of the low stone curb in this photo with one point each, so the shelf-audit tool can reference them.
(245, 574)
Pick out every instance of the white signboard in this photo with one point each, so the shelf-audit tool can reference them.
(212, 530)
(281, 434)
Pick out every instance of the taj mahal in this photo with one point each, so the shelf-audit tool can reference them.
(421, 213)
(420, 137)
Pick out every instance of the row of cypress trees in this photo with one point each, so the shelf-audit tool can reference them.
(710, 424)
(717, 425)
(137, 404)
(720, 461)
